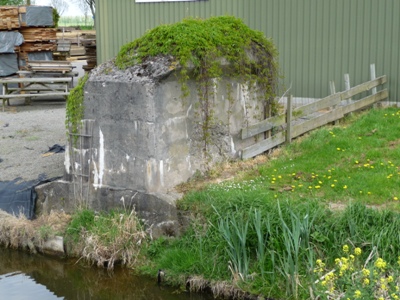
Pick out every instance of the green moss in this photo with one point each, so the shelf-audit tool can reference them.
(204, 43)
(208, 49)
(75, 108)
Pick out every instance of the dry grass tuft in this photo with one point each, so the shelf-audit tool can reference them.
(226, 290)
(20, 233)
(119, 242)
(197, 284)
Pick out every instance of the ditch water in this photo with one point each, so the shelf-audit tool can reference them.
(24, 276)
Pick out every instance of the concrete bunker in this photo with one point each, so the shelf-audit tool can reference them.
(150, 121)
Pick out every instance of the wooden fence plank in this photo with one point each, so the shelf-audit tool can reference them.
(363, 87)
(316, 122)
(365, 102)
(337, 110)
(264, 145)
(263, 126)
(324, 103)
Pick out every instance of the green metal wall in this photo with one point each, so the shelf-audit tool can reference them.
(318, 40)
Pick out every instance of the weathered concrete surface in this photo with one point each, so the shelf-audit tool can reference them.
(141, 139)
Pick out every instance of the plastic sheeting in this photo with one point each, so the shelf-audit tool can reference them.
(8, 64)
(38, 16)
(19, 197)
(32, 56)
(10, 39)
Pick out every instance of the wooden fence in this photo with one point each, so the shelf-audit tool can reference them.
(284, 127)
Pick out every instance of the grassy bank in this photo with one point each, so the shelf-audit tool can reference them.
(327, 204)
(318, 219)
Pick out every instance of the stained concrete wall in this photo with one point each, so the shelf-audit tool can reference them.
(141, 139)
(147, 138)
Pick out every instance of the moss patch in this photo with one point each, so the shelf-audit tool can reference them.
(206, 43)
(75, 108)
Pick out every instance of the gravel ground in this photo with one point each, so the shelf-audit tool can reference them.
(26, 134)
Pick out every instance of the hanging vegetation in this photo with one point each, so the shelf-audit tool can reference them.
(75, 108)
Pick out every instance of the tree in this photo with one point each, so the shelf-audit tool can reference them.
(60, 5)
(11, 2)
(84, 8)
(90, 3)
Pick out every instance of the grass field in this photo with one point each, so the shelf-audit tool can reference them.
(81, 21)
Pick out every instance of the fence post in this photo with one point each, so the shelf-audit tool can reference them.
(289, 109)
(333, 91)
(373, 76)
(347, 85)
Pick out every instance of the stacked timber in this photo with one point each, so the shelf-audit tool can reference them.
(9, 17)
(37, 34)
(89, 42)
(14, 17)
(32, 23)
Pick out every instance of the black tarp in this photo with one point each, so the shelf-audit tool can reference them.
(18, 197)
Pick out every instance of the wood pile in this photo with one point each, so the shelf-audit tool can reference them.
(9, 17)
(15, 17)
(89, 42)
(35, 34)
(34, 24)
(36, 47)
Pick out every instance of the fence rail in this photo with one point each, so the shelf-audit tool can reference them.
(295, 122)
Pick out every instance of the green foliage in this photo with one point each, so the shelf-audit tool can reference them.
(208, 49)
(56, 17)
(12, 2)
(81, 220)
(75, 108)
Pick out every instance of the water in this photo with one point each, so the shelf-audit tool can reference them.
(24, 276)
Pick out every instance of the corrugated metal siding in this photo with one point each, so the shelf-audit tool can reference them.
(318, 40)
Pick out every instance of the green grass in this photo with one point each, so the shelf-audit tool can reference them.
(75, 21)
(338, 185)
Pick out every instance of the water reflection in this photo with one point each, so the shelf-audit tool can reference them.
(40, 277)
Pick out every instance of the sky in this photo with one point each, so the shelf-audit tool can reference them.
(73, 9)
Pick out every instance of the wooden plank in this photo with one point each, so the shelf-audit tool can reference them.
(263, 126)
(264, 145)
(324, 103)
(33, 80)
(363, 87)
(319, 121)
(365, 102)
(33, 95)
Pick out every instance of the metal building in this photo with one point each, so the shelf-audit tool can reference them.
(318, 40)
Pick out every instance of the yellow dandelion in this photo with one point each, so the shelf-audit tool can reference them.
(357, 251)
(395, 198)
(366, 281)
(345, 249)
(357, 294)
